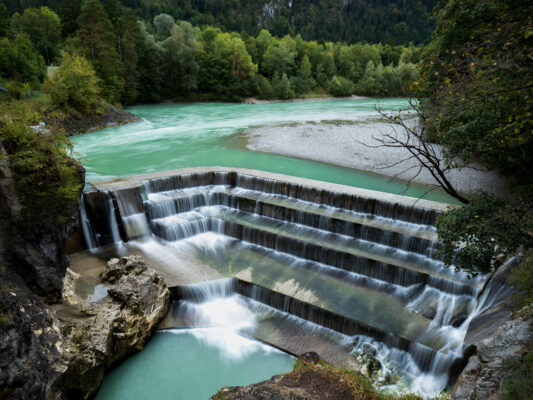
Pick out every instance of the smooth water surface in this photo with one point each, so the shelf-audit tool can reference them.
(189, 364)
(175, 136)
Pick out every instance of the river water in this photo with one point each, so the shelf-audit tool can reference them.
(195, 363)
(172, 136)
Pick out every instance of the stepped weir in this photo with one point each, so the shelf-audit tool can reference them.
(324, 267)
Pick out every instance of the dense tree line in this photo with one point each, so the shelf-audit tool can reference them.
(147, 61)
(385, 21)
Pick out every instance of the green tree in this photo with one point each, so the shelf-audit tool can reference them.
(5, 21)
(234, 51)
(306, 76)
(42, 25)
(150, 56)
(181, 65)
(476, 82)
(263, 87)
(20, 62)
(69, 12)
(339, 86)
(74, 84)
(477, 235)
(130, 44)
(97, 39)
(282, 89)
(279, 58)
(163, 24)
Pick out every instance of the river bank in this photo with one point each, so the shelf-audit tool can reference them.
(353, 144)
(77, 124)
(253, 100)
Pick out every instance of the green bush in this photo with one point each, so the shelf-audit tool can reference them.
(20, 62)
(476, 237)
(46, 176)
(74, 84)
(282, 89)
(520, 385)
(339, 86)
(263, 87)
(521, 278)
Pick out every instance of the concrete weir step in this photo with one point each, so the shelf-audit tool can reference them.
(359, 299)
(407, 236)
(321, 316)
(321, 246)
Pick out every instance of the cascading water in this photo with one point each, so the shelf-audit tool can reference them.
(360, 269)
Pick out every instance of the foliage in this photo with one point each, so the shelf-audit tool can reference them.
(47, 177)
(385, 21)
(282, 88)
(163, 24)
(477, 79)
(137, 61)
(42, 25)
(521, 279)
(97, 43)
(340, 86)
(74, 84)
(20, 62)
(476, 237)
(5, 21)
(519, 386)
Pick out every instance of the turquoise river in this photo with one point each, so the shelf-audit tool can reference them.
(172, 136)
(193, 364)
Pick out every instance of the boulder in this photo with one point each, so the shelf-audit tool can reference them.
(138, 300)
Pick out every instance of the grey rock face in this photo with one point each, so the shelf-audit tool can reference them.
(498, 356)
(138, 300)
(31, 352)
(34, 251)
(65, 354)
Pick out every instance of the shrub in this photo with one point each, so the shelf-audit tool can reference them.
(263, 87)
(521, 278)
(74, 84)
(47, 178)
(476, 237)
(339, 86)
(520, 385)
(282, 89)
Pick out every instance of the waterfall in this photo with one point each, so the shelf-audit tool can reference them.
(362, 270)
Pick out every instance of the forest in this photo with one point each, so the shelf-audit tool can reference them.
(139, 60)
(380, 21)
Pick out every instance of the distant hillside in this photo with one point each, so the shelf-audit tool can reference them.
(385, 21)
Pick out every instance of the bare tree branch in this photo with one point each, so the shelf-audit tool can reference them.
(412, 138)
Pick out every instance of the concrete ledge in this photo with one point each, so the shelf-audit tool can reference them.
(136, 181)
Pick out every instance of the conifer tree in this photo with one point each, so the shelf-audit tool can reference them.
(97, 39)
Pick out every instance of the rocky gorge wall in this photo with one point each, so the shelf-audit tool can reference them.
(61, 351)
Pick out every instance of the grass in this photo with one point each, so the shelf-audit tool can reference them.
(360, 385)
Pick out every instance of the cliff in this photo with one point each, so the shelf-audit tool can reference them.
(51, 350)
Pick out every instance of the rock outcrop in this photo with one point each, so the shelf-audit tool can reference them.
(31, 344)
(311, 379)
(498, 356)
(107, 331)
(34, 251)
(74, 124)
(65, 354)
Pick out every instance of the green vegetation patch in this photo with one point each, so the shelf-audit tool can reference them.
(47, 178)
